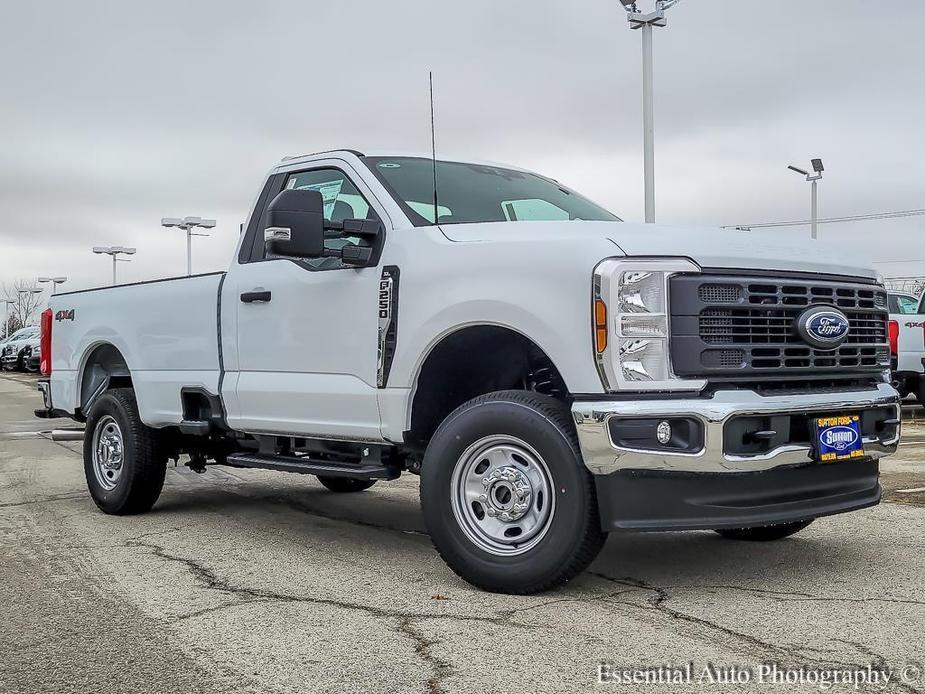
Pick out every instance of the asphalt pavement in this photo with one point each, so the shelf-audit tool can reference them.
(256, 581)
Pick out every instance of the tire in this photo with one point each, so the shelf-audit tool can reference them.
(764, 533)
(531, 440)
(345, 485)
(136, 483)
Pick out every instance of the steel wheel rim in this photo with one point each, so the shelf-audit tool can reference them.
(502, 497)
(108, 452)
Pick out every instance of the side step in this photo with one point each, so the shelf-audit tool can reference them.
(291, 463)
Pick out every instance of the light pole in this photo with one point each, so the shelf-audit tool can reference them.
(6, 322)
(55, 281)
(114, 251)
(188, 224)
(813, 178)
(646, 21)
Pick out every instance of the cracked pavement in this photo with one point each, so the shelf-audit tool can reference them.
(254, 581)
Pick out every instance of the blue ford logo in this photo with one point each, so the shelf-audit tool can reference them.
(823, 327)
(839, 437)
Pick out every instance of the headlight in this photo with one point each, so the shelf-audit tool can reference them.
(632, 296)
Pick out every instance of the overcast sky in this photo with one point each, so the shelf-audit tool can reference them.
(115, 114)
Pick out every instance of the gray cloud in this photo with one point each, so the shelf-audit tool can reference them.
(115, 114)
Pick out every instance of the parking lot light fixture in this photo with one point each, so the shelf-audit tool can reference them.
(813, 178)
(55, 281)
(645, 22)
(6, 321)
(115, 252)
(188, 224)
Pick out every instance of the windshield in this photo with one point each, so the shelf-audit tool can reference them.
(477, 193)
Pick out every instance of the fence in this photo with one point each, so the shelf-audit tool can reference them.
(910, 285)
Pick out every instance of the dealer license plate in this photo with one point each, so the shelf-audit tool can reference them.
(838, 438)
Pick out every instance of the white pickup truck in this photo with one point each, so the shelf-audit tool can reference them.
(907, 343)
(552, 373)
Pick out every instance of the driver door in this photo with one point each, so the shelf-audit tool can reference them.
(307, 330)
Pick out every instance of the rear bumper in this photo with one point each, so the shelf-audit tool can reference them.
(47, 411)
(658, 500)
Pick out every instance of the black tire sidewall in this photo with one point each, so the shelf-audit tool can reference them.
(569, 481)
(111, 501)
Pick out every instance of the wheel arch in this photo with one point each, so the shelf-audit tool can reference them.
(103, 367)
(473, 360)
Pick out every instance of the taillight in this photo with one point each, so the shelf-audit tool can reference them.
(45, 342)
(894, 337)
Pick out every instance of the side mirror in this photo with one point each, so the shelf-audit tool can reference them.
(295, 224)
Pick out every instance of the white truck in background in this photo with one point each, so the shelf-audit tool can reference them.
(552, 373)
(907, 344)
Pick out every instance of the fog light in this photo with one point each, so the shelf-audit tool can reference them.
(663, 433)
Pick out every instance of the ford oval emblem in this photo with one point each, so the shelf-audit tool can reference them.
(839, 437)
(823, 327)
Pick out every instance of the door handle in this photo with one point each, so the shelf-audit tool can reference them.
(256, 297)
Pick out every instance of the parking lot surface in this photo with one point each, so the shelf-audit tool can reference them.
(254, 581)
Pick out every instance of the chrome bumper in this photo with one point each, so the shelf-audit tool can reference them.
(602, 457)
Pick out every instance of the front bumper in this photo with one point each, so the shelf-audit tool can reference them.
(658, 500)
(713, 488)
(603, 457)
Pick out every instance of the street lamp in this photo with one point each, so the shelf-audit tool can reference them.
(55, 281)
(6, 322)
(645, 21)
(813, 178)
(114, 251)
(188, 224)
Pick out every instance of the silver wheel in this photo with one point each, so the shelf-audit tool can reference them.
(502, 495)
(108, 452)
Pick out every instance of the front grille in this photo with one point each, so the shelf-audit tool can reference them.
(738, 326)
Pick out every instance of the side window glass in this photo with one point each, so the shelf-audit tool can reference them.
(900, 303)
(908, 305)
(342, 200)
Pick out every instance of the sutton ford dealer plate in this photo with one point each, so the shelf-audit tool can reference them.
(838, 438)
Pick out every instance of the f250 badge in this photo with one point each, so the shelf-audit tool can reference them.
(66, 314)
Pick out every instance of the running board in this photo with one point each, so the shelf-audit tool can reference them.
(291, 463)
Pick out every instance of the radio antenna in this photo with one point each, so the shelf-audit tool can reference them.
(433, 144)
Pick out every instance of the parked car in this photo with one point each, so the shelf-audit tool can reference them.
(32, 356)
(11, 357)
(907, 343)
(552, 373)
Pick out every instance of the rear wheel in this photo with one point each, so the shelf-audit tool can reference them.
(764, 533)
(507, 500)
(345, 485)
(123, 461)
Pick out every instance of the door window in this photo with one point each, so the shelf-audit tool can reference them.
(904, 304)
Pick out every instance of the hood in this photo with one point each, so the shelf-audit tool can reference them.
(709, 247)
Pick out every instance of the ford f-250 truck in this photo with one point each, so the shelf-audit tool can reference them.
(551, 372)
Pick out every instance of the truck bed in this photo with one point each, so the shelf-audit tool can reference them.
(166, 331)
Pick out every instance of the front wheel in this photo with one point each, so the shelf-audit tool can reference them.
(507, 500)
(764, 533)
(123, 460)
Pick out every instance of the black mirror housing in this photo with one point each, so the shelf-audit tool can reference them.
(301, 212)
